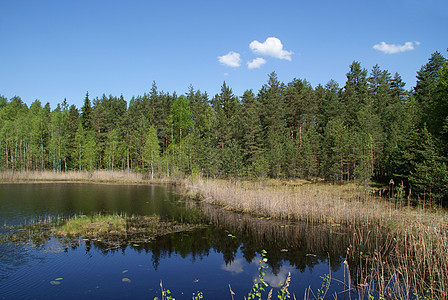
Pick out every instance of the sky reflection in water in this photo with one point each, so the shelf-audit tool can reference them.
(207, 259)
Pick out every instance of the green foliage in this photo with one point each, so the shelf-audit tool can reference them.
(259, 283)
(284, 292)
(114, 151)
(429, 175)
(166, 294)
(181, 118)
(151, 150)
(370, 129)
(198, 296)
(322, 291)
(91, 153)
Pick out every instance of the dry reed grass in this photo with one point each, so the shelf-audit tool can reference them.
(317, 203)
(410, 256)
(80, 176)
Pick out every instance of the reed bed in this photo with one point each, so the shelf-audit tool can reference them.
(395, 252)
(316, 203)
(80, 176)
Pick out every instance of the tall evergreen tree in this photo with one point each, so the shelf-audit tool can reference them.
(355, 92)
(427, 77)
(429, 177)
(273, 122)
(86, 110)
(254, 159)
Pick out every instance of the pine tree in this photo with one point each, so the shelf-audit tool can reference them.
(427, 78)
(86, 110)
(355, 92)
(254, 161)
(273, 122)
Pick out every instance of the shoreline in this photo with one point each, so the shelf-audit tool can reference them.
(416, 237)
(97, 176)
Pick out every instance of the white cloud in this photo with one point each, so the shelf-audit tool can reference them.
(231, 59)
(256, 63)
(271, 47)
(392, 48)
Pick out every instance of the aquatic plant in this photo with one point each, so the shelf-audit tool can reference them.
(259, 283)
(92, 226)
(99, 176)
(256, 292)
(111, 231)
(395, 250)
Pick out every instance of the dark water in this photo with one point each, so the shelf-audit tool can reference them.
(208, 259)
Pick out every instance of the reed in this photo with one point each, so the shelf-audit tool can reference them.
(81, 176)
(316, 203)
(396, 252)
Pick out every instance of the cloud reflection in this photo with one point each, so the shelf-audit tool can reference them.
(235, 267)
(280, 278)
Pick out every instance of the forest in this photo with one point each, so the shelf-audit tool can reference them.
(370, 130)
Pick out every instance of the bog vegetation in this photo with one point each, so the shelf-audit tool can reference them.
(370, 128)
(395, 251)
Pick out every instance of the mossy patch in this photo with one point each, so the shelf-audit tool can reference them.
(111, 231)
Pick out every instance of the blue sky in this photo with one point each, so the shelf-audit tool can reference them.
(51, 50)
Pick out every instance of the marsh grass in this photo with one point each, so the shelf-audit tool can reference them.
(313, 203)
(107, 231)
(396, 252)
(92, 226)
(105, 176)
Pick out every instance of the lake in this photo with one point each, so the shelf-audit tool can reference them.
(223, 249)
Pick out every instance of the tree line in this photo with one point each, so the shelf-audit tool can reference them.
(371, 128)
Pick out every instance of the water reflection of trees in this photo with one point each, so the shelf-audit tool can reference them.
(302, 245)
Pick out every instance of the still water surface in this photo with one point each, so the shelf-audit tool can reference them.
(208, 259)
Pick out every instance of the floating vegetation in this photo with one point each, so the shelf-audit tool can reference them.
(108, 231)
(126, 280)
(57, 281)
